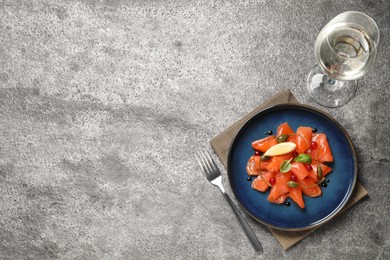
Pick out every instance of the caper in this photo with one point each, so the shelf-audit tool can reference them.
(319, 172)
(265, 157)
(292, 184)
(282, 138)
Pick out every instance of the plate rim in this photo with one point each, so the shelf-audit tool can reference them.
(330, 216)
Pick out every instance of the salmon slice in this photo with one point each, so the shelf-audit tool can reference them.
(277, 200)
(293, 138)
(279, 192)
(261, 181)
(304, 135)
(264, 144)
(284, 129)
(280, 188)
(276, 161)
(322, 152)
(264, 165)
(299, 170)
(313, 173)
(253, 165)
(296, 195)
(309, 187)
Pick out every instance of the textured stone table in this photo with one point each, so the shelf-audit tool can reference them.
(102, 104)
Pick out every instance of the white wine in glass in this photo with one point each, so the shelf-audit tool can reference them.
(345, 50)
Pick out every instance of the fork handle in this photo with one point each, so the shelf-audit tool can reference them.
(248, 231)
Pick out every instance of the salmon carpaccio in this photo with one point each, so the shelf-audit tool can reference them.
(303, 178)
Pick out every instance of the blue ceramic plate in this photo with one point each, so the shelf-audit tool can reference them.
(318, 210)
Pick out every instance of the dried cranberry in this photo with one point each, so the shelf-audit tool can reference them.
(272, 181)
(309, 167)
(257, 153)
(293, 177)
(295, 154)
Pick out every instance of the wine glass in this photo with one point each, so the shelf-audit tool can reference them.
(345, 50)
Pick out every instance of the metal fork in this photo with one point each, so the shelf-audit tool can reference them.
(213, 175)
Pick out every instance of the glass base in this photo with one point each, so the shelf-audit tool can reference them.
(328, 92)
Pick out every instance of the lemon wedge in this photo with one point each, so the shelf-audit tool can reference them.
(280, 149)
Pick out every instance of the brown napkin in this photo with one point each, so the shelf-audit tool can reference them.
(221, 144)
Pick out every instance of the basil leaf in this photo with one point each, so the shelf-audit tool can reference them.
(285, 166)
(282, 138)
(292, 184)
(303, 158)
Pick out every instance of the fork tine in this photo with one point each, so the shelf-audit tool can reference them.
(208, 159)
(203, 163)
(206, 163)
(197, 156)
(212, 162)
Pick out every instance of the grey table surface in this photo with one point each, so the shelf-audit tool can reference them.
(103, 103)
